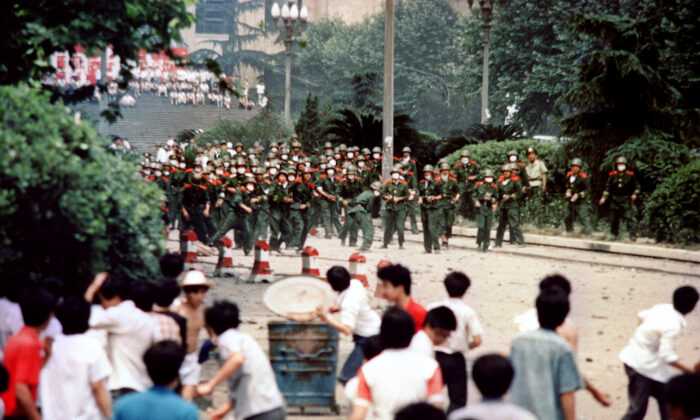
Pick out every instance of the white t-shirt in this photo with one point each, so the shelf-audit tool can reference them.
(356, 312)
(11, 321)
(65, 390)
(652, 347)
(468, 326)
(130, 332)
(396, 378)
(252, 387)
(422, 344)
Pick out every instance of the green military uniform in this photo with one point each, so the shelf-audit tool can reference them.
(236, 217)
(347, 190)
(195, 199)
(359, 209)
(395, 192)
(299, 212)
(260, 218)
(511, 190)
(576, 194)
(449, 190)
(280, 230)
(429, 212)
(329, 209)
(411, 177)
(177, 182)
(484, 197)
(619, 189)
(467, 173)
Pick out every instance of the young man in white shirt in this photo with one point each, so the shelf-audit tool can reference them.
(356, 317)
(73, 381)
(253, 391)
(493, 375)
(398, 376)
(650, 354)
(439, 323)
(130, 332)
(452, 354)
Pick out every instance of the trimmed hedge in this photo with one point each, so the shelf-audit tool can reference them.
(69, 208)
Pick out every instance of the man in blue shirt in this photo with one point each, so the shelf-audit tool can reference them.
(546, 374)
(160, 402)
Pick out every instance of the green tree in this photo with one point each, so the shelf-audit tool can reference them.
(69, 208)
(309, 126)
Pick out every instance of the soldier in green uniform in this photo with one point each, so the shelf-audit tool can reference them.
(449, 192)
(280, 200)
(259, 218)
(237, 203)
(511, 190)
(622, 189)
(520, 170)
(349, 188)
(327, 188)
(178, 178)
(395, 193)
(196, 205)
(299, 210)
(576, 193)
(467, 173)
(215, 188)
(428, 189)
(485, 200)
(359, 210)
(410, 175)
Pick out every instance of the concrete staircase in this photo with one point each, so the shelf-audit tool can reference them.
(153, 119)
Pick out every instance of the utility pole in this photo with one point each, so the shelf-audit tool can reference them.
(388, 107)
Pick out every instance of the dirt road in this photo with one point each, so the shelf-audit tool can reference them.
(608, 292)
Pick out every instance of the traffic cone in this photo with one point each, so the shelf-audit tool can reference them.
(358, 270)
(190, 248)
(261, 272)
(309, 262)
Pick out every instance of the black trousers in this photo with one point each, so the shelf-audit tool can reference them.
(639, 389)
(454, 375)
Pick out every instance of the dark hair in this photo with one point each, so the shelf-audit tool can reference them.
(441, 317)
(74, 315)
(682, 391)
(4, 378)
(684, 299)
(163, 360)
(55, 286)
(194, 289)
(113, 286)
(420, 411)
(372, 346)
(36, 306)
(492, 374)
(397, 275)
(552, 308)
(338, 277)
(171, 265)
(141, 292)
(221, 316)
(457, 283)
(397, 328)
(556, 280)
(165, 291)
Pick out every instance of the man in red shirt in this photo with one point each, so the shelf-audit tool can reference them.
(24, 355)
(396, 286)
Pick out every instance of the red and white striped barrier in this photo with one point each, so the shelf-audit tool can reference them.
(309, 262)
(172, 241)
(379, 291)
(228, 253)
(358, 269)
(190, 248)
(261, 272)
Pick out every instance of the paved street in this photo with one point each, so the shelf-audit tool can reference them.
(608, 291)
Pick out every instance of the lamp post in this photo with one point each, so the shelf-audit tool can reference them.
(292, 24)
(486, 14)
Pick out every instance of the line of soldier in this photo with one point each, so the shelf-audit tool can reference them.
(285, 194)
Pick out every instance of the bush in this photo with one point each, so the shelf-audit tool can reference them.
(69, 208)
(265, 127)
(672, 209)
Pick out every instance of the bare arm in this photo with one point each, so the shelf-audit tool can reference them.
(476, 342)
(333, 322)
(102, 397)
(681, 366)
(232, 364)
(358, 412)
(568, 405)
(25, 400)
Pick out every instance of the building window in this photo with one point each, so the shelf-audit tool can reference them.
(210, 16)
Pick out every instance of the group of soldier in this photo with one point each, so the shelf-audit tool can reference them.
(283, 194)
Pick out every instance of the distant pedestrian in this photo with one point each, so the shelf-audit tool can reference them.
(650, 354)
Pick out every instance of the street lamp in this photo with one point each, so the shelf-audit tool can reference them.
(486, 14)
(292, 24)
